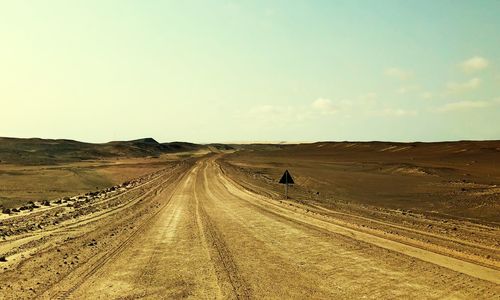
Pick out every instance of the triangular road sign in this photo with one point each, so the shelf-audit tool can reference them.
(286, 178)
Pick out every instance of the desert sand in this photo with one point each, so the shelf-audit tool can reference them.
(364, 220)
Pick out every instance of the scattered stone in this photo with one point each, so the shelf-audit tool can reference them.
(6, 211)
(3, 259)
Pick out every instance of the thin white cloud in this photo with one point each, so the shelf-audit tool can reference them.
(368, 97)
(398, 73)
(471, 84)
(364, 104)
(324, 106)
(394, 112)
(368, 100)
(276, 114)
(266, 109)
(475, 63)
(466, 105)
(408, 89)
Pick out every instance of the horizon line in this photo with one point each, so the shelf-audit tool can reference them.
(250, 142)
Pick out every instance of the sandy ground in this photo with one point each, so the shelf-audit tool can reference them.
(21, 183)
(448, 180)
(197, 230)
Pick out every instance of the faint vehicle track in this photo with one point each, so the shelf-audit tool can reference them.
(406, 235)
(223, 256)
(108, 256)
(469, 249)
(201, 234)
(283, 211)
(85, 220)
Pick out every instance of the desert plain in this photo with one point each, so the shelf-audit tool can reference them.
(144, 220)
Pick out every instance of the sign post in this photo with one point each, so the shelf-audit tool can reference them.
(286, 179)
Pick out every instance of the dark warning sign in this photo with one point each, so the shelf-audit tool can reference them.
(286, 178)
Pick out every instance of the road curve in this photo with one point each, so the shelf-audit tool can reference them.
(213, 239)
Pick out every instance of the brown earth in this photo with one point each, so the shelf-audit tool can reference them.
(208, 228)
(23, 183)
(458, 180)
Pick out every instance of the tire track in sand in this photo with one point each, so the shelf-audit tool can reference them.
(107, 257)
(451, 263)
(226, 269)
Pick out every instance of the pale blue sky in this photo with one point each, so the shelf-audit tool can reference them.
(219, 71)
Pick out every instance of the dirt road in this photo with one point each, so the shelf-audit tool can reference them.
(202, 235)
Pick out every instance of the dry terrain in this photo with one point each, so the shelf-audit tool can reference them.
(35, 170)
(23, 183)
(365, 220)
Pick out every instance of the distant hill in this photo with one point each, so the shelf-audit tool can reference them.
(182, 146)
(36, 151)
(432, 149)
(48, 151)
